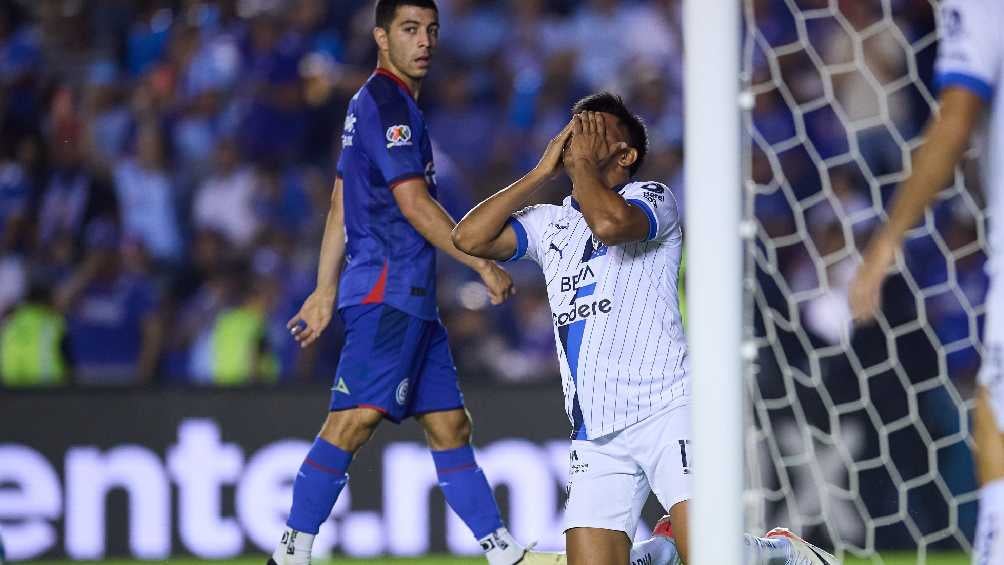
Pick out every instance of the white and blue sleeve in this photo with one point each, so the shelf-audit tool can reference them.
(970, 47)
(529, 225)
(658, 203)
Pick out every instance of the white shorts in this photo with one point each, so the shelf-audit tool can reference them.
(609, 478)
(992, 368)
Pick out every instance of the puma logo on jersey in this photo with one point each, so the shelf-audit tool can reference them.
(555, 248)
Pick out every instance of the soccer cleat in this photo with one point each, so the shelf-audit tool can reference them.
(663, 528)
(807, 553)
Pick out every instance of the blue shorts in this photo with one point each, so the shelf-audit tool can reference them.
(395, 363)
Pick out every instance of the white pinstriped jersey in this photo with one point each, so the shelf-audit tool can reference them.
(621, 347)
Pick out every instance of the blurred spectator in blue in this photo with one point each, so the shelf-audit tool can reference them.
(311, 29)
(74, 196)
(16, 193)
(20, 69)
(147, 194)
(106, 114)
(473, 31)
(195, 132)
(275, 124)
(281, 202)
(113, 323)
(148, 37)
(470, 123)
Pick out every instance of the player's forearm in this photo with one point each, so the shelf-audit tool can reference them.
(603, 209)
(332, 244)
(934, 164)
(485, 222)
(434, 224)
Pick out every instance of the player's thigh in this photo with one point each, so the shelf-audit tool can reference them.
(437, 387)
(606, 487)
(664, 451)
(381, 357)
(596, 546)
(987, 435)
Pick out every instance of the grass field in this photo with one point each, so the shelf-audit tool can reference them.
(889, 559)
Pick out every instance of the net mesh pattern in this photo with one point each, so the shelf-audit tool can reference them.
(857, 439)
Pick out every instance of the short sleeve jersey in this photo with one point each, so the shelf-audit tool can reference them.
(384, 143)
(617, 325)
(971, 56)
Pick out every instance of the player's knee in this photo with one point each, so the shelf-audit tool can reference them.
(350, 429)
(448, 430)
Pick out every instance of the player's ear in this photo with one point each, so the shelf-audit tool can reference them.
(380, 36)
(627, 157)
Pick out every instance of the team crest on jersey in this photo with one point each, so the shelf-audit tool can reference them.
(599, 248)
(398, 136)
(401, 394)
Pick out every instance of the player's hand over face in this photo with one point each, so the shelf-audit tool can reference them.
(498, 281)
(589, 143)
(313, 317)
(866, 287)
(551, 160)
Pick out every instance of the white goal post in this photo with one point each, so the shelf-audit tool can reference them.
(714, 277)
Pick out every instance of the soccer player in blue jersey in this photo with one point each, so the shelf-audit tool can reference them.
(386, 224)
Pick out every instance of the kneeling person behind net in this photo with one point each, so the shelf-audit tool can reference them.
(610, 254)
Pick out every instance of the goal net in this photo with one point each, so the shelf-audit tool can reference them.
(858, 438)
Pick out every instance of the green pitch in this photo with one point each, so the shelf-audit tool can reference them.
(888, 559)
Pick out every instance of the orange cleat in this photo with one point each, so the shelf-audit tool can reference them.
(663, 528)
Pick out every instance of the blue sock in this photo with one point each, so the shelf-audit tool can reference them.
(466, 490)
(315, 490)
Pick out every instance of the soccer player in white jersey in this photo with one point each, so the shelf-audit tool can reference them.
(610, 254)
(969, 73)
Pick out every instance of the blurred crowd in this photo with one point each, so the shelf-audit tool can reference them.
(833, 124)
(165, 167)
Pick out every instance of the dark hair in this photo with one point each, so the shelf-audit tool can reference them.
(610, 103)
(385, 9)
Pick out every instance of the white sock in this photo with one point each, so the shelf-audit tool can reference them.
(658, 550)
(763, 551)
(989, 544)
(294, 548)
(501, 548)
